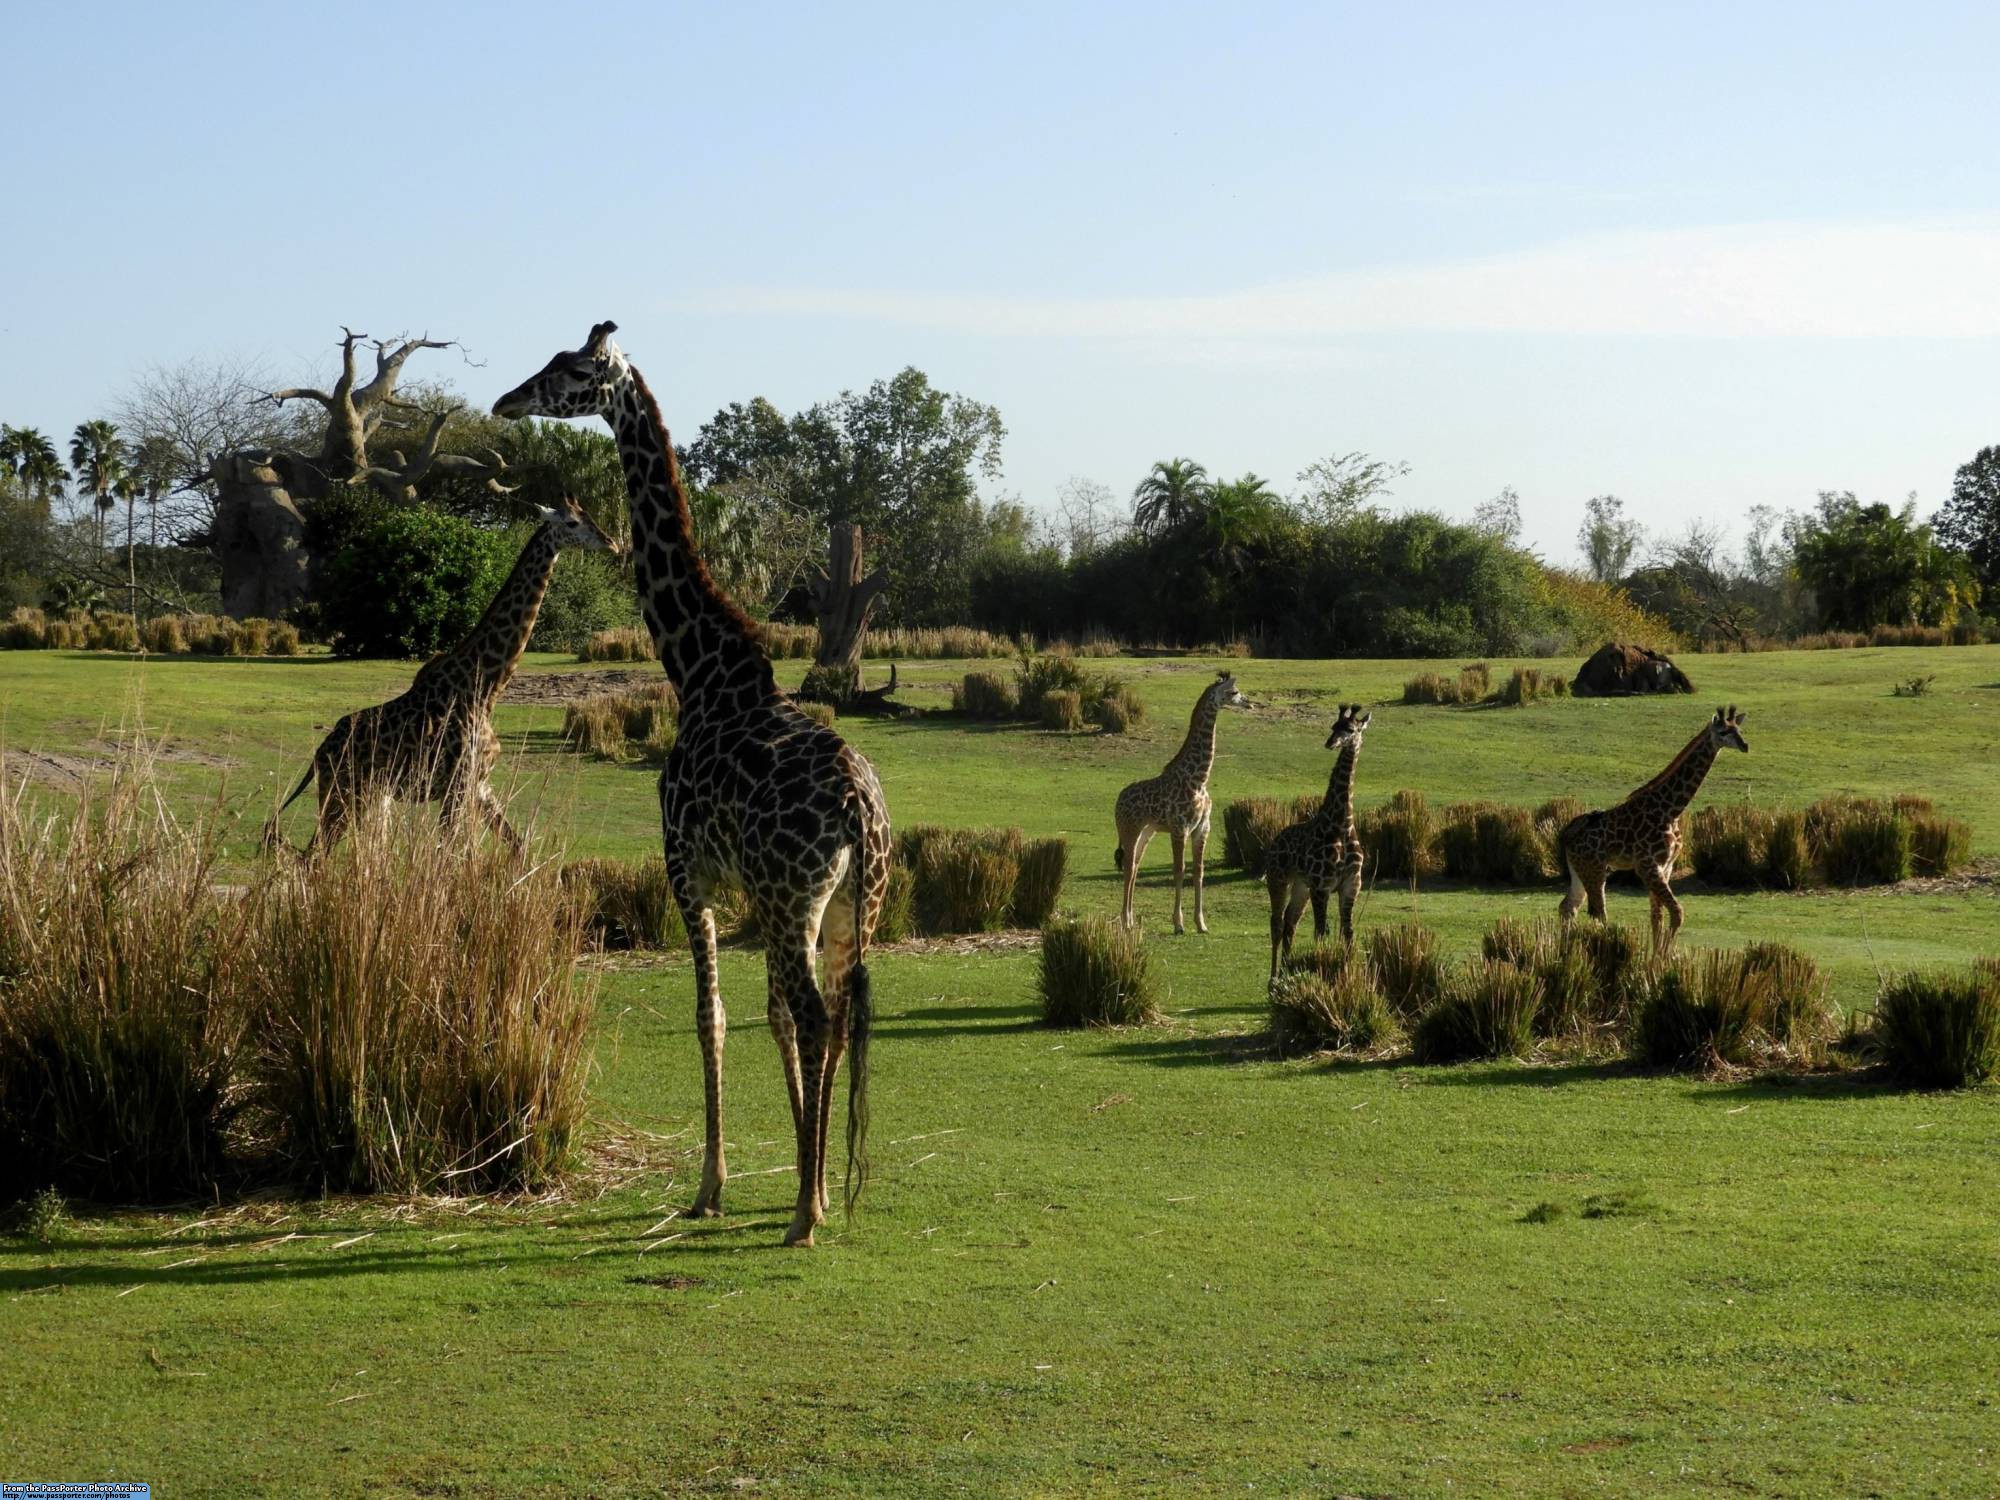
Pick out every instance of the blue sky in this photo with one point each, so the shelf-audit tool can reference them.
(1702, 257)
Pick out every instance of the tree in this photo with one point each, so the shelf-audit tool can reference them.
(1607, 538)
(1869, 565)
(97, 454)
(1499, 517)
(31, 458)
(1343, 484)
(157, 467)
(1693, 583)
(185, 416)
(1969, 522)
(1169, 497)
(1085, 520)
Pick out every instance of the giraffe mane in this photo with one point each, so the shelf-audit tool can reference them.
(1673, 765)
(704, 581)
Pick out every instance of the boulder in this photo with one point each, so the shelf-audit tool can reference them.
(1619, 669)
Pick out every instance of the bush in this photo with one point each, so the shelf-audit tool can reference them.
(408, 581)
(121, 1007)
(897, 919)
(1572, 1003)
(790, 642)
(1800, 1021)
(1865, 844)
(624, 905)
(1485, 843)
(964, 878)
(622, 726)
(1914, 687)
(1527, 684)
(421, 1025)
(1941, 1030)
(824, 685)
(1117, 708)
(984, 695)
(25, 629)
(1036, 677)
(1344, 1013)
(1430, 687)
(1702, 1011)
(1406, 966)
(1061, 710)
(1095, 973)
(588, 597)
(1939, 846)
(1325, 960)
(1612, 951)
(1038, 887)
(626, 643)
(1729, 844)
(1399, 838)
(1787, 859)
(1248, 826)
(1484, 1009)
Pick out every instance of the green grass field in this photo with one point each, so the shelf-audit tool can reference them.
(1148, 1260)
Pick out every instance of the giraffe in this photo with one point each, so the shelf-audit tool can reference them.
(1177, 800)
(753, 792)
(1642, 834)
(1321, 853)
(435, 743)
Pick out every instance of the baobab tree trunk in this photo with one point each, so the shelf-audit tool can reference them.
(842, 600)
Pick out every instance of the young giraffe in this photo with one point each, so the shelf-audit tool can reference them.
(1642, 834)
(1177, 800)
(753, 792)
(435, 743)
(1321, 853)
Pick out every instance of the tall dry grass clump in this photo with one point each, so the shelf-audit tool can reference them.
(1062, 710)
(1095, 973)
(420, 1024)
(1400, 837)
(979, 879)
(626, 643)
(1703, 1010)
(121, 1009)
(984, 695)
(639, 725)
(1491, 844)
(1729, 843)
(1529, 685)
(1039, 884)
(1339, 1012)
(1250, 823)
(1941, 1030)
(624, 904)
(1939, 845)
(1485, 1009)
(1408, 969)
(1800, 1023)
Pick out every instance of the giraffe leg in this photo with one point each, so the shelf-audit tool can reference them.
(1295, 904)
(712, 1026)
(1594, 891)
(335, 812)
(778, 1011)
(1350, 888)
(1319, 899)
(792, 962)
(495, 818)
(1278, 886)
(1180, 865)
(841, 957)
(1198, 846)
(1135, 853)
(1665, 908)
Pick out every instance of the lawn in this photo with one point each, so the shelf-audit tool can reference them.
(1149, 1260)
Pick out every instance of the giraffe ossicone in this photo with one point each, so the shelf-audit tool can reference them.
(434, 742)
(1320, 854)
(753, 794)
(1642, 834)
(1176, 801)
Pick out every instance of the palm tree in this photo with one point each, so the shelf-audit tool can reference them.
(1171, 496)
(156, 463)
(126, 487)
(98, 455)
(1238, 513)
(31, 458)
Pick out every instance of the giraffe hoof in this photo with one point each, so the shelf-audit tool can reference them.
(799, 1236)
(705, 1207)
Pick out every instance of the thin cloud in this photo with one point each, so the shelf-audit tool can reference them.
(1755, 281)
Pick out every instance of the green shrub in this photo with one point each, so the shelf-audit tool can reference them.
(1521, 941)
(897, 919)
(624, 905)
(1323, 960)
(1941, 1030)
(984, 695)
(1341, 1013)
(1407, 968)
(1038, 887)
(1484, 1010)
(588, 596)
(409, 581)
(1485, 843)
(1572, 1003)
(1612, 952)
(1527, 684)
(1800, 1020)
(122, 1010)
(1702, 1011)
(824, 685)
(1037, 676)
(1061, 709)
(1787, 859)
(1399, 838)
(1866, 845)
(1729, 844)
(1117, 708)
(1939, 846)
(1248, 826)
(1095, 973)
(965, 879)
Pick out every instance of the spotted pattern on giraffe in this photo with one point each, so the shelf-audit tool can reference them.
(1322, 854)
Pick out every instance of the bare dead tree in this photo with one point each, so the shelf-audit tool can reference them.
(842, 600)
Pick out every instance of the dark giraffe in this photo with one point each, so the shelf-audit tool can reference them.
(1320, 854)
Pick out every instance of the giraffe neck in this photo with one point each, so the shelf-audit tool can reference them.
(495, 644)
(1336, 813)
(1197, 752)
(1669, 793)
(704, 640)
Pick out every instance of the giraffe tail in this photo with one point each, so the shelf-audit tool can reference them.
(271, 838)
(1118, 859)
(860, 1021)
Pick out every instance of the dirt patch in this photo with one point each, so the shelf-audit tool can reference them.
(166, 754)
(555, 689)
(671, 1282)
(1983, 874)
(48, 768)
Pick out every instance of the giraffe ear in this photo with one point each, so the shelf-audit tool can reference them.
(598, 334)
(1742, 716)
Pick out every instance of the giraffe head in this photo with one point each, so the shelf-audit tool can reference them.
(1226, 694)
(1350, 726)
(576, 383)
(1725, 730)
(572, 528)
